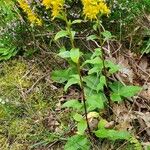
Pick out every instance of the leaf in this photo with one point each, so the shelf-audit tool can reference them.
(77, 142)
(73, 80)
(112, 67)
(72, 104)
(119, 90)
(116, 86)
(62, 33)
(75, 55)
(115, 97)
(60, 76)
(101, 83)
(95, 101)
(92, 114)
(107, 35)
(97, 52)
(77, 117)
(94, 61)
(92, 37)
(91, 81)
(81, 126)
(76, 21)
(112, 134)
(129, 91)
(102, 123)
(65, 54)
(96, 69)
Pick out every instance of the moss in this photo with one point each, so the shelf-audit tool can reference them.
(23, 114)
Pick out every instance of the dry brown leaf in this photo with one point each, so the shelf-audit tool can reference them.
(144, 120)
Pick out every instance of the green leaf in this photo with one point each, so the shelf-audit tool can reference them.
(60, 76)
(97, 52)
(62, 33)
(95, 101)
(77, 117)
(81, 126)
(94, 61)
(75, 55)
(112, 134)
(77, 142)
(119, 91)
(74, 80)
(115, 97)
(113, 68)
(91, 81)
(101, 84)
(129, 91)
(75, 104)
(102, 123)
(95, 26)
(96, 69)
(107, 35)
(65, 54)
(116, 86)
(76, 21)
(92, 37)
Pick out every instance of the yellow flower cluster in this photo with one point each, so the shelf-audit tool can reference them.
(31, 15)
(92, 8)
(55, 5)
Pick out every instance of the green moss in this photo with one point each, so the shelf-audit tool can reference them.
(24, 116)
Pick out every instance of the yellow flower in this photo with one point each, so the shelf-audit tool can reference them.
(31, 15)
(92, 8)
(56, 6)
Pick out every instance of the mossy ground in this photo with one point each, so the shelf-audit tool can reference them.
(27, 106)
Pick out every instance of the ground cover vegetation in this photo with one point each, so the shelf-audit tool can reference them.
(74, 75)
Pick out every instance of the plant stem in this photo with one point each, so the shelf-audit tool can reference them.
(80, 76)
(106, 90)
(83, 98)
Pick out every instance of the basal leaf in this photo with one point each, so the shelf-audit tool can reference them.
(113, 68)
(95, 101)
(102, 123)
(116, 86)
(112, 134)
(77, 117)
(91, 81)
(77, 142)
(93, 61)
(81, 127)
(129, 91)
(72, 104)
(115, 97)
(72, 81)
(60, 76)
(96, 69)
(101, 84)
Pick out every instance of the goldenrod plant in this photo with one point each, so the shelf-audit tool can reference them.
(97, 91)
(90, 72)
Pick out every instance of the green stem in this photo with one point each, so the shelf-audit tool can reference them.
(83, 98)
(80, 76)
(104, 67)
